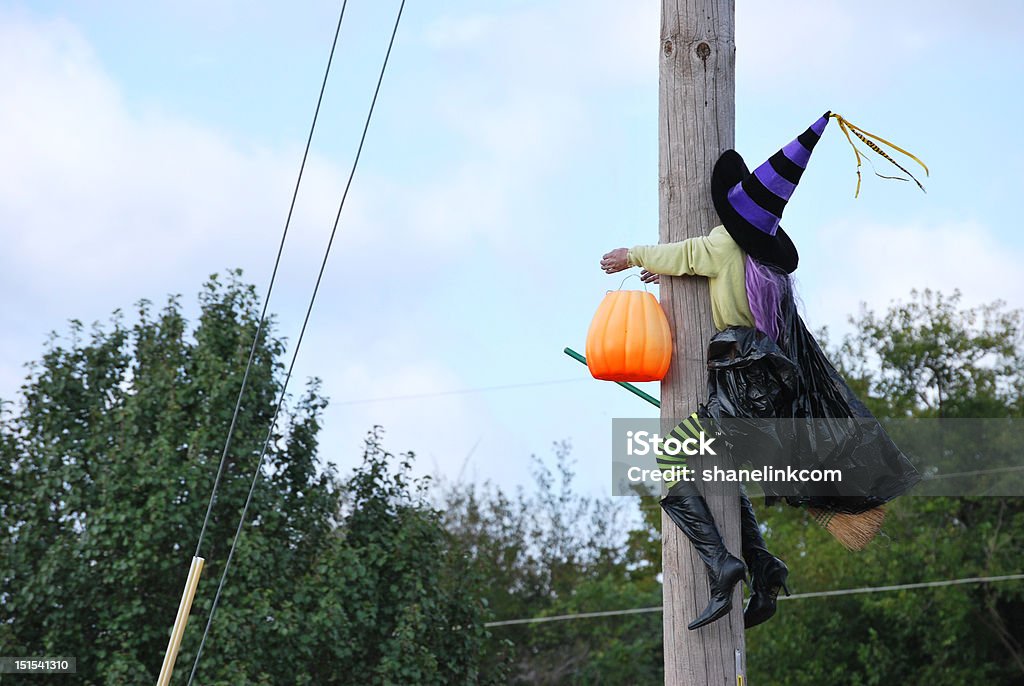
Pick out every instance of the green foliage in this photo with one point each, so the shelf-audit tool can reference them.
(931, 358)
(556, 552)
(106, 464)
(108, 457)
(941, 635)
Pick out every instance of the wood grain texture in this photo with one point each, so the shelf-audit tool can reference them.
(696, 121)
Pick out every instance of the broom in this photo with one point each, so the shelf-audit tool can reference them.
(854, 531)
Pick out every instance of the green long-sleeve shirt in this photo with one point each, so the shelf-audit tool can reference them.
(715, 256)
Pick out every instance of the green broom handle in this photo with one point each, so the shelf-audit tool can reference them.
(628, 386)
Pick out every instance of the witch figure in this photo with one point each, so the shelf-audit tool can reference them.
(772, 393)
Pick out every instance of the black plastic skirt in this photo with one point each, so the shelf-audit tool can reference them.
(784, 406)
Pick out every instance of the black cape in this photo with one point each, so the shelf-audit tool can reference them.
(784, 405)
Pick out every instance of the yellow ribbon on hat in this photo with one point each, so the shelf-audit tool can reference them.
(866, 137)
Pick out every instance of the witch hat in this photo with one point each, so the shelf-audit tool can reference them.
(750, 205)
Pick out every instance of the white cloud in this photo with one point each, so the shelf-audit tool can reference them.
(858, 47)
(562, 45)
(457, 31)
(512, 147)
(518, 93)
(441, 429)
(101, 195)
(873, 263)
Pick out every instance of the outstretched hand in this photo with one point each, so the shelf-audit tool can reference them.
(618, 259)
(615, 261)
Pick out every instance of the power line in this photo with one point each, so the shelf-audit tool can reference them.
(298, 344)
(976, 472)
(905, 587)
(270, 288)
(795, 596)
(580, 615)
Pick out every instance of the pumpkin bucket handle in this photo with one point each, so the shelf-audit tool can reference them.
(628, 277)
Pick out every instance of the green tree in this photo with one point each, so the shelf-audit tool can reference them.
(106, 463)
(930, 357)
(553, 552)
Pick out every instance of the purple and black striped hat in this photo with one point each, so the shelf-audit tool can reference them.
(750, 205)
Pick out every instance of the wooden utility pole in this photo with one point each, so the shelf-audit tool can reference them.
(696, 116)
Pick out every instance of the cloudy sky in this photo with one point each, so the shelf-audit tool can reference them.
(144, 146)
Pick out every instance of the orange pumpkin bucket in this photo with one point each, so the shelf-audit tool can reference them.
(629, 338)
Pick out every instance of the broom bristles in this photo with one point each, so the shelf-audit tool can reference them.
(854, 531)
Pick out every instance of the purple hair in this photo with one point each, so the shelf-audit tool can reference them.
(767, 289)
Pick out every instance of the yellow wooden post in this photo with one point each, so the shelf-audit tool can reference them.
(696, 120)
(184, 608)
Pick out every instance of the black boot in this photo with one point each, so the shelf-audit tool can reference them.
(767, 573)
(687, 508)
